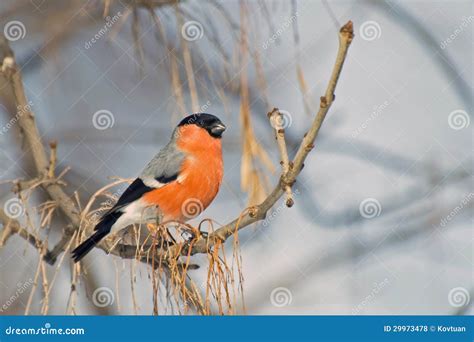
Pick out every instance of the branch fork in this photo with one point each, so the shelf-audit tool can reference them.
(275, 116)
(45, 167)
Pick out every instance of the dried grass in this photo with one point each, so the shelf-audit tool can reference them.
(222, 291)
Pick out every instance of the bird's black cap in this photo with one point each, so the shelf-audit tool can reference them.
(209, 122)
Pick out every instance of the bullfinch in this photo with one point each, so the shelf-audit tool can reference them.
(187, 172)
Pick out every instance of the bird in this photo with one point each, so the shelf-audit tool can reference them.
(179, 182)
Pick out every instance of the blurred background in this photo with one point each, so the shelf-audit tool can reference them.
(382, 221)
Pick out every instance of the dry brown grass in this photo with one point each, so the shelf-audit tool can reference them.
(170, 272)
(166, 246)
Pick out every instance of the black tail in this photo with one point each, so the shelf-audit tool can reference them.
(102, 229)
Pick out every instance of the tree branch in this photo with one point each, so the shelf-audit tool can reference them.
(277, 120)
(290, 169)
(12, 226)
(287, 179)
(27, 123)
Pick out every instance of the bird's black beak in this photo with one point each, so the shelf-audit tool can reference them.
(218, 129)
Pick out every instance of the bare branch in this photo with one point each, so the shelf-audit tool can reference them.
(277, 119)
(202, 244)
(258, 212)
(12, 226)
(27, 123)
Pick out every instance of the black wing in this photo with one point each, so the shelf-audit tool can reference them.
(132, 193)
(137, 189)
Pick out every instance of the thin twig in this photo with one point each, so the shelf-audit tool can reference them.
(277, 119)
(258, 212)
(27, 123)
(201, 244)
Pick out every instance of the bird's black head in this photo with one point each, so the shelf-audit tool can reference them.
(209, 122)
